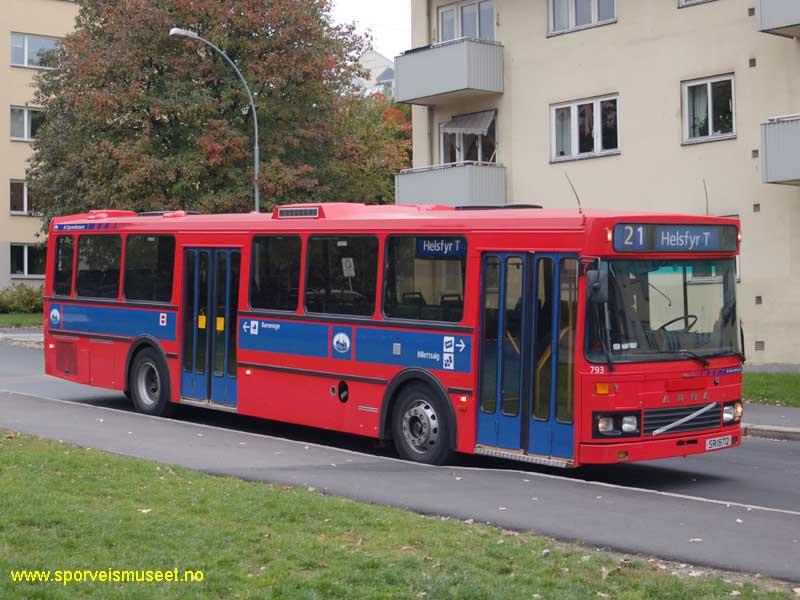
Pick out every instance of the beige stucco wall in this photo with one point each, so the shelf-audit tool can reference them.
(644, 57)
(43, 17)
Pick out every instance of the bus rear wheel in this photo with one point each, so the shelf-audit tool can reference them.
(149, 384)
(421, 426)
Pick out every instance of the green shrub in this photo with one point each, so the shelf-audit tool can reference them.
(21, 298)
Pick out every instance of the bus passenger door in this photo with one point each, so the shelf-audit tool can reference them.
(211, 294)
(552, 393)
(503, 350)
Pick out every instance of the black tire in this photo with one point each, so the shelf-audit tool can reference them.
(421, 426)
(149, 384)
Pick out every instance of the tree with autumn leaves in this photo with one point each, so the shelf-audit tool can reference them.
(141, 121)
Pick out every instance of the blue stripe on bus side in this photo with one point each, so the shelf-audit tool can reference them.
(283, 337)
(126, 322)
(436, 351)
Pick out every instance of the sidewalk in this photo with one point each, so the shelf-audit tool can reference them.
(25, 337)
(760, 420)
(771, 422)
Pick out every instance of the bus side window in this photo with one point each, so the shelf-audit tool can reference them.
(99, 258)
(342, 275)
(425, 278)
(275, 272)
(62, 279)
(149, 267)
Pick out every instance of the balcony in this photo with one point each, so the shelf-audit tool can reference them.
(780, 148)
(459, 184)
(448, 71)
(780, 17)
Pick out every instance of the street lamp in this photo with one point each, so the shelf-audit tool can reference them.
(192, 35)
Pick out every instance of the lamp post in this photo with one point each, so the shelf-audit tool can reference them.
(192, 35)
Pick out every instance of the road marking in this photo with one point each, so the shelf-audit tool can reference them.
(726, 503)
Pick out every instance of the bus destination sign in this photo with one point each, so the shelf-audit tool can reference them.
(640, 237)
(441, 248)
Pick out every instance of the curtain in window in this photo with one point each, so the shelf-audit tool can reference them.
(560, 15)
(564, 131)
(698, 110)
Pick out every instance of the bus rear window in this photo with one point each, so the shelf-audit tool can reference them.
(275, 273)
(342, 274)
(62, 278)
(425, 278)
(149, 267)
(98, 266)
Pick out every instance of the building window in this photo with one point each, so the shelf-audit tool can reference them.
(709, 109)
(585, 128)
(27, 260)
(35, 51)
(425, 278)
(149, 267)
(21, 203)
(469, 138)
(25, 123)
(275, 272)
(568, 15)
(342, 275)
(474, 20)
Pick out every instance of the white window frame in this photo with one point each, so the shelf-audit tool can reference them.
(572, 18)
(708, 81)
(27, 122)
(26, 209)
(598, 129)
(25, 261)
(25, 41)
(457, 7)
(460, 147)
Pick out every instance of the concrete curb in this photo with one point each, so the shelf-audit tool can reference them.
(772, 432)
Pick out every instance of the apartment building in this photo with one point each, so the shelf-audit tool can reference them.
(31, 28)
(651, 105)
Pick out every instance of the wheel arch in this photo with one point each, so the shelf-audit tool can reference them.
(395, 388)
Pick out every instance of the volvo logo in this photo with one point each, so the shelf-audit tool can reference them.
(341, 343)
(55, 317)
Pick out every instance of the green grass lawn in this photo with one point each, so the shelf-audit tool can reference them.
(63, 507)
(779, 389)
(20, 320)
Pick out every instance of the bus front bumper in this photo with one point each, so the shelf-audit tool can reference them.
(653, 449)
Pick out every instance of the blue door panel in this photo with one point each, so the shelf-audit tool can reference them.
(207, 379)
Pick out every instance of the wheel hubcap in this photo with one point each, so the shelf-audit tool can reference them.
(421, 427)
(148, 384)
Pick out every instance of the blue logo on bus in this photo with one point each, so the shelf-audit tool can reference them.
(341, 343)
(55, 317)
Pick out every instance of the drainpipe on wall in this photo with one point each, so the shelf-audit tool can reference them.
(429, 110)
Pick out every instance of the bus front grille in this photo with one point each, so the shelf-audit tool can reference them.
(656, 418)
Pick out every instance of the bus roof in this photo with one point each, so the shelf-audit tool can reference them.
(353, 216)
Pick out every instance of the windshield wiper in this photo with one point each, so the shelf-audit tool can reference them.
(688, 353)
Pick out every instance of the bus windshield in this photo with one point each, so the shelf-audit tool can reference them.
(662, 310)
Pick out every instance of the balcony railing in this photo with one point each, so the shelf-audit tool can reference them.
(780, 149)
(781, 17)
(443, 72)
(458, 184)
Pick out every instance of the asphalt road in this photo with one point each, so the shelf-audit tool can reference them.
(737, 510)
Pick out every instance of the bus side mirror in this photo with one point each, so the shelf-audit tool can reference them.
(597, 284)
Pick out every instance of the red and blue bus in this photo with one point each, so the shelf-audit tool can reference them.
(553, 337)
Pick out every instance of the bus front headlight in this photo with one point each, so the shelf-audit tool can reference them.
(630, 424)
(732, 412)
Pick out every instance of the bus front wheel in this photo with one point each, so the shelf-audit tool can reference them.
(421, 427)
(149, 383)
